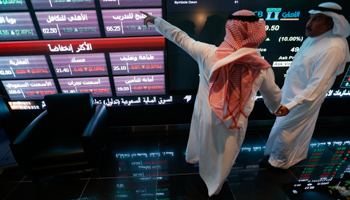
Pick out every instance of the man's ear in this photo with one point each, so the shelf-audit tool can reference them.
(330, 24)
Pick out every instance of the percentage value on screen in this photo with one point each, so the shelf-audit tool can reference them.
(291, 39)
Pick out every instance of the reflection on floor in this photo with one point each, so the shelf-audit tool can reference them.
(153, 166)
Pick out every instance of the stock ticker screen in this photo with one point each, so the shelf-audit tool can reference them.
(102, 47)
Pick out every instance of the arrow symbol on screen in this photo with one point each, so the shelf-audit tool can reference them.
(188, 98)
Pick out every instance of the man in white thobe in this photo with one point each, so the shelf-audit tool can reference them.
(321, 58)
(219, 119)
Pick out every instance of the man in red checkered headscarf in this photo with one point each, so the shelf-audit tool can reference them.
(230, 84)
(230, 77)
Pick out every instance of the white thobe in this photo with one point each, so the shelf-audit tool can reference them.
(211, 143)
(310, 76)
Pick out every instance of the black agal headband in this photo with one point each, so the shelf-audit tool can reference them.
(328, 9)
(244, 18)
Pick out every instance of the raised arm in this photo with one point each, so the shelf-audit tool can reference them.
(194, 48)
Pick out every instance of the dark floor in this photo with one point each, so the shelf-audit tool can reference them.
(152, 166)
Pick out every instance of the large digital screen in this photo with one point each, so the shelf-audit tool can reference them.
(102, 47)
(285, 29)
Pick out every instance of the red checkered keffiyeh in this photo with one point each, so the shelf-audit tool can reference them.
(230, 86)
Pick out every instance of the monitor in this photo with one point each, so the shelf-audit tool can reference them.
(102, 47)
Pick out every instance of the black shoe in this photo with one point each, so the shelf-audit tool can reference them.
(264, 163)
(266, 158)
(224, 194)
(196, 188)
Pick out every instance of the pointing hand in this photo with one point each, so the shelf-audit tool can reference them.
(149, 18)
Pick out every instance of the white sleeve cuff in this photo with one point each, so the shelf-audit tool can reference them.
(291, 105)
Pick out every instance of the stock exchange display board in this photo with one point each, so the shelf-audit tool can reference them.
(102, 47)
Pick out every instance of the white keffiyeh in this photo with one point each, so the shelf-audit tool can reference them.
(341, 25)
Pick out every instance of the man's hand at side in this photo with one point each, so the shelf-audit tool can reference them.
(282, 111)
